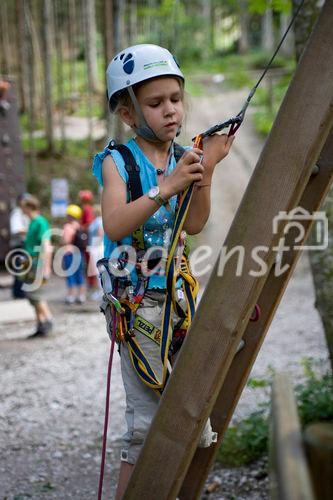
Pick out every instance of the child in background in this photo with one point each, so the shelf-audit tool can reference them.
(95, 245)
(18, 224)
(146, 90)
(38, 246)
(73, 260)
(86, 198)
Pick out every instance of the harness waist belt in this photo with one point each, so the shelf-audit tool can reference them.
(148, 329)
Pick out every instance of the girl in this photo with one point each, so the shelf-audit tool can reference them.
(75, 281)
(146, 90)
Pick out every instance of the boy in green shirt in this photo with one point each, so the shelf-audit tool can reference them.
(37, 245)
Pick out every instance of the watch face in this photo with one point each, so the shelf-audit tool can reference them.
(153, 192)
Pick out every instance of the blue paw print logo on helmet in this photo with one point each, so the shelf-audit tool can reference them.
(128, 63)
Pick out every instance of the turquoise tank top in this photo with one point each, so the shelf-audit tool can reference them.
(157, 229)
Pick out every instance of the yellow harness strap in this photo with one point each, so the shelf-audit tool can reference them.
(190, 289)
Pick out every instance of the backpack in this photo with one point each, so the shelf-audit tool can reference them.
(80, 240)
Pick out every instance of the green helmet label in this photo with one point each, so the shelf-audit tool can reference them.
(155, 64)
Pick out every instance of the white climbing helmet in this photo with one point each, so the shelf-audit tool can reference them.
(137, 64)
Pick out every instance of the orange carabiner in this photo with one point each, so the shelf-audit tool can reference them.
(198, 141)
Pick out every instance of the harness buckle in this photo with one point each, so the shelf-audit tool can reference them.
(129, 334)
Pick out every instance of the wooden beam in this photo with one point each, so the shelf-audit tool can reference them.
(277, 184)
(290, 476)
(270, 297)
(318, 442)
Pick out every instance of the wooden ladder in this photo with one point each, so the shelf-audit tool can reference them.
(209, 377)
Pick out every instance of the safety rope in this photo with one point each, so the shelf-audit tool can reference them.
(107, 403)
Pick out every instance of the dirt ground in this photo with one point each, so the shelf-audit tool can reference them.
(53, 389)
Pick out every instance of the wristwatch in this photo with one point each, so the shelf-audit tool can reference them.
(154, 194)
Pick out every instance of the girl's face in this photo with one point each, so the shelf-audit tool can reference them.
(161, 102)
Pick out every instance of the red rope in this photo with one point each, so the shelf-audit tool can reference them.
(233, 129)
(107, 406)
(256, 313)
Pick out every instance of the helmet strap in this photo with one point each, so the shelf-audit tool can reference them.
(143, 129)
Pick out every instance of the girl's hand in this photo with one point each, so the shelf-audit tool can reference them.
(215, 148)
(187, 170)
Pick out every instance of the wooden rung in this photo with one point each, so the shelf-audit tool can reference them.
(290, 476)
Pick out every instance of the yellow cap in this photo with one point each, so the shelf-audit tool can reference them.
(74, 211)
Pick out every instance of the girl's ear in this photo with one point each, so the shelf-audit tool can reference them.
(126, 115)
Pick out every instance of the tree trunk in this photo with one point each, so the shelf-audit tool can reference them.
(90, 77)
(132, 21)
(118, 13)
(207, 14)
(108, 52)
(244, 28)
(22, 67)
(31, 86)
(34, 20)
(321, 261)
(288, 45)
(48, 83)
(6, 51)
(118, 25)
(91, 49)
(60, 75)
(267, 31)
(304, 23)
(72, 54)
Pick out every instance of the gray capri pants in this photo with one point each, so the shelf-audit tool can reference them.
(141, 401)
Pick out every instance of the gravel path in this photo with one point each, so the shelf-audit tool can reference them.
(52, 390)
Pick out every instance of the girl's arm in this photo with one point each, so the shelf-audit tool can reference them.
(215, 149)
(120, 218)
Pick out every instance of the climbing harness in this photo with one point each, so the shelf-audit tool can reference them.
(235, 122)
(127, 304)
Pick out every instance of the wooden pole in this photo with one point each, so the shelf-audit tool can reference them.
(290, 476)
(254, 335)
(318, 440)
(277, 184)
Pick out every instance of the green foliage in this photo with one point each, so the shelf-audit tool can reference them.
(259, 6)
(77, 149)
(315, 396)
(263, 121)
(257, 383)
(247, 440)
(47, 487)
(260, 59)
(268, 101)
(233, 67)
(75, 166)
